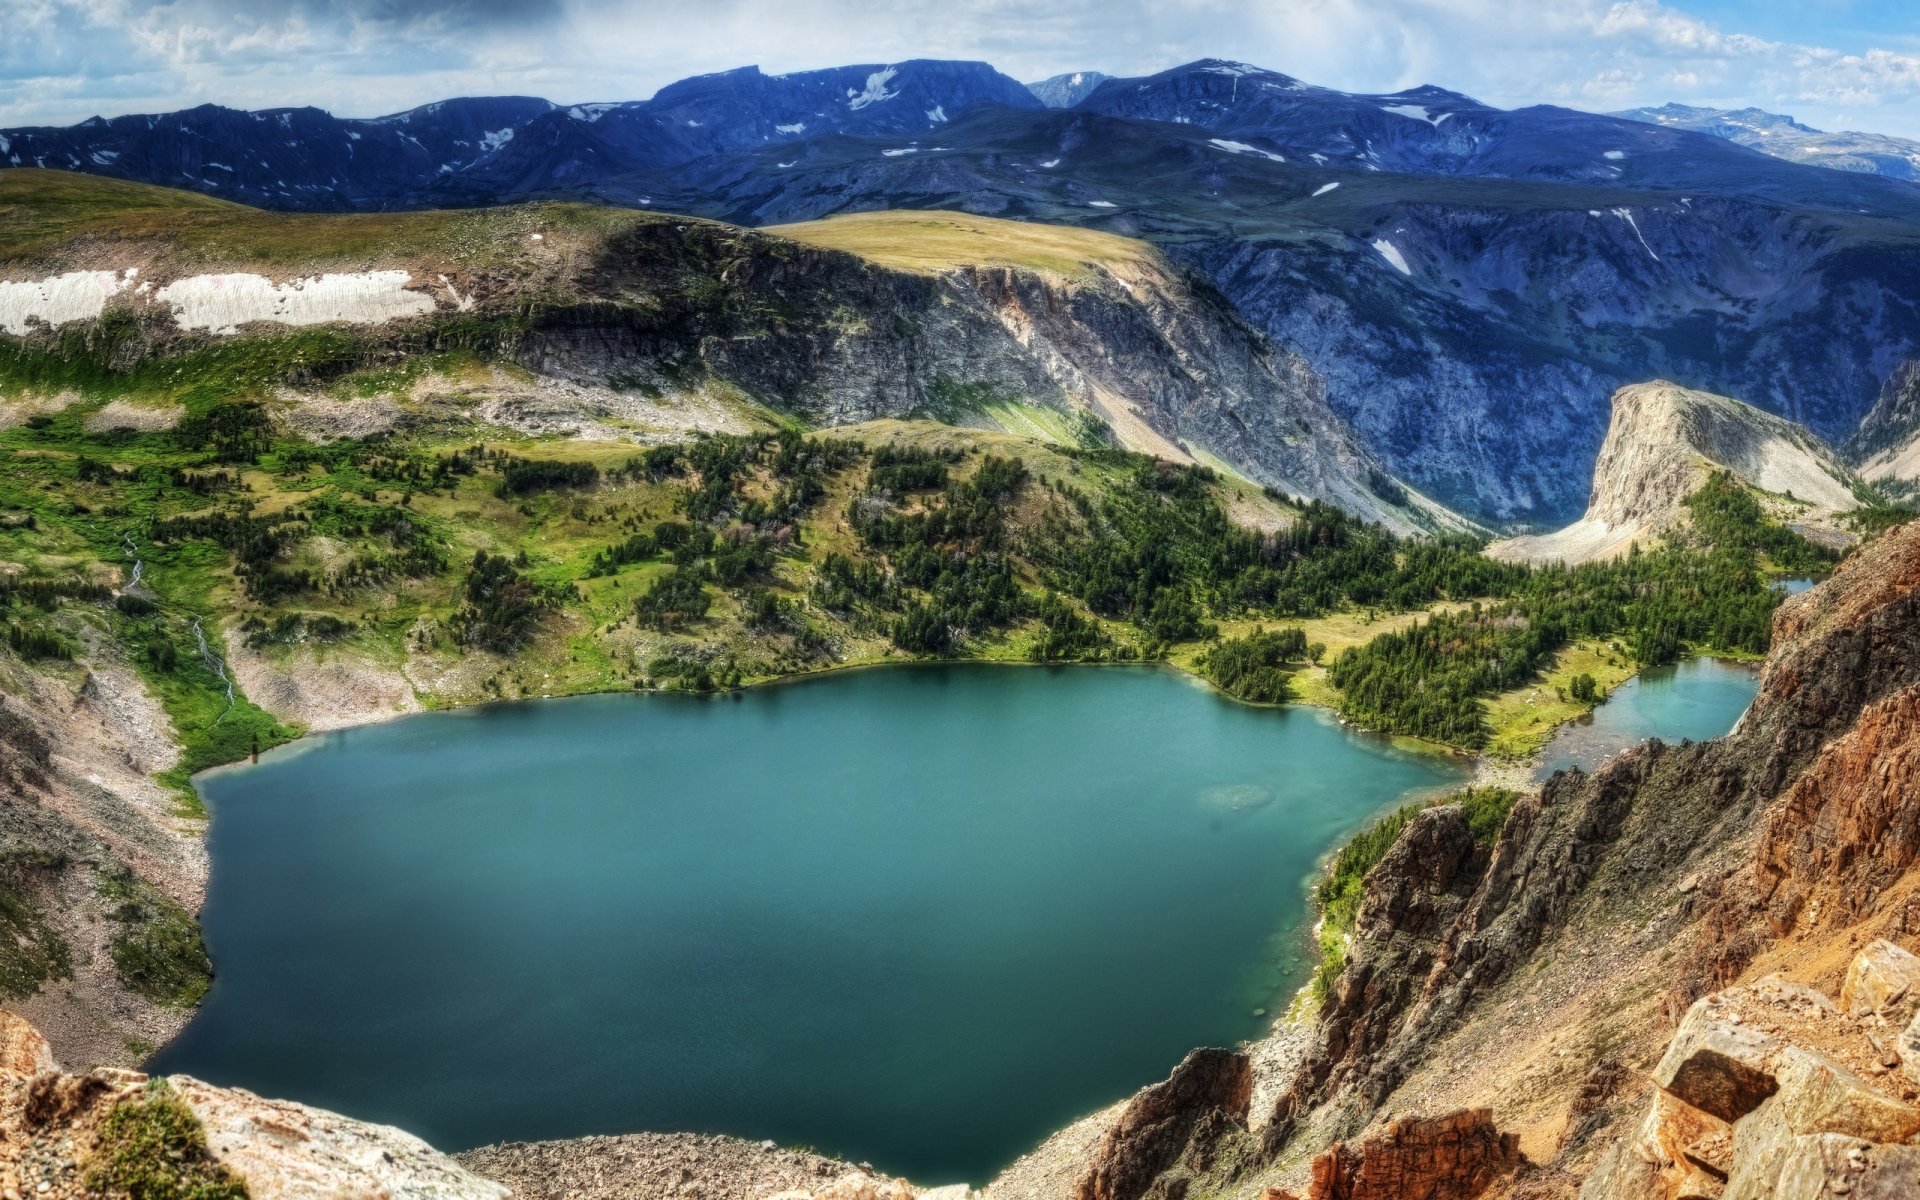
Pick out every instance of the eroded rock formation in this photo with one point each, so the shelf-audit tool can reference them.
(1662, 443)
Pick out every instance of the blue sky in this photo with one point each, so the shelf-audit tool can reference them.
(1832, 63)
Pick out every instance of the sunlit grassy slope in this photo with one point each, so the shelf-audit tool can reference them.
(931, 242)
(45, 212)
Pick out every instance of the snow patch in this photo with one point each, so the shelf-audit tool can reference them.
(796, 127)
(1324, 188)
(1101, 204)
(1418, 112)
(876, 90)
(1051, 163)
(493, 141)
(937, 114)
(1626, 214)
(1615, 155)
(223, 303)
(1391, 253)
(1243, 148)
(75, 296)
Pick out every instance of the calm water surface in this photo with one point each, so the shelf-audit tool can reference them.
(1700, 698)
(921, 918)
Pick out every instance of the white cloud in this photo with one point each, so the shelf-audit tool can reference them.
(63, 60)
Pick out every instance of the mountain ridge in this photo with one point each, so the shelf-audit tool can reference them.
(1784, 137)
(1471, 283)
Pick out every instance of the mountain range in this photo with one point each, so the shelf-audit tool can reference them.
(1784, 137)
(1471, 284)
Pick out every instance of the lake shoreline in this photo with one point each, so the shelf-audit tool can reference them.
(1063, 754)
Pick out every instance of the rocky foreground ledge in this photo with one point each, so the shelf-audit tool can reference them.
(117, 1133)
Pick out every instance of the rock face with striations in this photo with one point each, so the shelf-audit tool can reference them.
(1454, 1157)
(1662, 444)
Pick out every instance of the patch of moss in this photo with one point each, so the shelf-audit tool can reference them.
(157, 951)
(154, 1148)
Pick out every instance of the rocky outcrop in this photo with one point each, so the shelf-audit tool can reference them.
(1189, 1125)
(1773, 1090)
(67, 1135)
(1848, 829)
(1453, 1157)
(1663, 442)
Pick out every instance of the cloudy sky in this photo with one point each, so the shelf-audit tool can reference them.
(1851, 64)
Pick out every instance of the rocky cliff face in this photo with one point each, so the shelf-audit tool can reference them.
(1662, 444)
(1886, 447)
(1151, 353)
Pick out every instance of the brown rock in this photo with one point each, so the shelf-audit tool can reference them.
(1882, 978)
(1697, 1184)
(1818, 1095)
(1454, 1157)
(1846, 829)
(1717, 1066)
(1908, 1050)
(1181, 1117)
(1773, 1163)
(23, 1052)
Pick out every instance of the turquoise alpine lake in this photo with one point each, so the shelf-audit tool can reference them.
(920, 917)
(1698, 698)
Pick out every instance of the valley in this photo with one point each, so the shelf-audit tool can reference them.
(504, 573)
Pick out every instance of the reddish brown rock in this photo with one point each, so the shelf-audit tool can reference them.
(1174, 1126)
(1454, 1157)
(23, 1052)
(1848, 828)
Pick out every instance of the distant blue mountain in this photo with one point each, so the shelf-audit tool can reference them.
(1784, 137)
(1065, 91)
(487, 150)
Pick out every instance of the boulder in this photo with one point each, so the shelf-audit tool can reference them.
(1818, 1095)
(1883, 978)
(1908, 1048)
(1774, 1163)
(288, 1151)
(23, 1052)
(1716, 1064)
